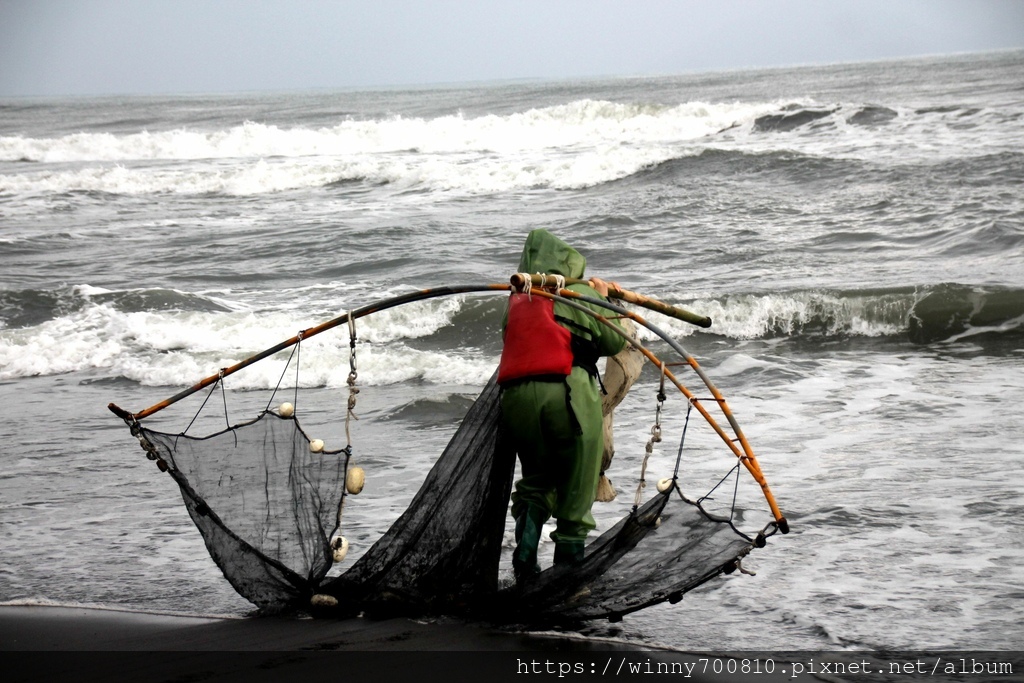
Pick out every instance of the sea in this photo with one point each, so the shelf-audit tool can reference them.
(855, 232)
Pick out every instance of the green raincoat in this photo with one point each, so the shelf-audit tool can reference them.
(560, 451)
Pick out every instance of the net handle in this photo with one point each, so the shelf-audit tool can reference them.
(541, 280)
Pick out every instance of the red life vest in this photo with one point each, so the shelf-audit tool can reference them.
(535, 344)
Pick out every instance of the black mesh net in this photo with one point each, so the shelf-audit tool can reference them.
(267, 507)
(656, 554)
(442, 554)
(265, 504)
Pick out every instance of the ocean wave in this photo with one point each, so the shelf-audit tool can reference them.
(797, 116)
(952, 312)
(710, 161)
(796, 314)
(878, 135)
(579, 144)
(809, 116)
(167, 338)
(574, 145)
(484, 172)
(30, 307)
(429, 412)
(792, 120)
(579, 122)
(159, 337)
(922, 315)
(251, 177)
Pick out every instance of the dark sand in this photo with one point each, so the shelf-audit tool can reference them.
(76, 644)
(73, 645)
(66, 628)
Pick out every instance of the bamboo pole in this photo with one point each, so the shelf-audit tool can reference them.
(742, 452)
(539, 280)
(305, 334)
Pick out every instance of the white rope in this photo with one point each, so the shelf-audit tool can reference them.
(349, 416)
(655, 438)
(525, 278)
(352, 375)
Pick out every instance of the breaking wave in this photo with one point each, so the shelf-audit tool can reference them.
(165, 337)
(584, 122)
(575, 145)
(922, 315)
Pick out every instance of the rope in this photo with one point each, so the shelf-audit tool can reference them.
(352, 389)
(682, 440)
(298, 362)
(732, 507)
(196, 416)
(350, 415)
(295, 401)
(655, 438)
(224, 396)
(527, 284)
(707, 496)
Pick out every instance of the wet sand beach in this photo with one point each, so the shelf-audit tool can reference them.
(43, 643)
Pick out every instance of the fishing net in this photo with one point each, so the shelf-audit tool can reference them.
(268, 501)
(443, 553)
(265, 505)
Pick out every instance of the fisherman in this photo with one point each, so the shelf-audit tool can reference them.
(551, 405)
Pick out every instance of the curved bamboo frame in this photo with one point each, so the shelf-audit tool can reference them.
(743, 451)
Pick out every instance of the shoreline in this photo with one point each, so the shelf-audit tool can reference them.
(45, 628)
(81, 644)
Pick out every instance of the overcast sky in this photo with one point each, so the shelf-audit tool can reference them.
(77, 47)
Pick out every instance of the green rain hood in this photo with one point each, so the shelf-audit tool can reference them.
(545, 253)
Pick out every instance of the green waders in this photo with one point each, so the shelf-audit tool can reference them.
(556, 428)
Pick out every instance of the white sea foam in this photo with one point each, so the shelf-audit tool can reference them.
(575, 145)
(754, 316)
(177, 348)
(564, 126)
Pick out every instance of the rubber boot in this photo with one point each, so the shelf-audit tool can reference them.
(528, 529)
(568, 552)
